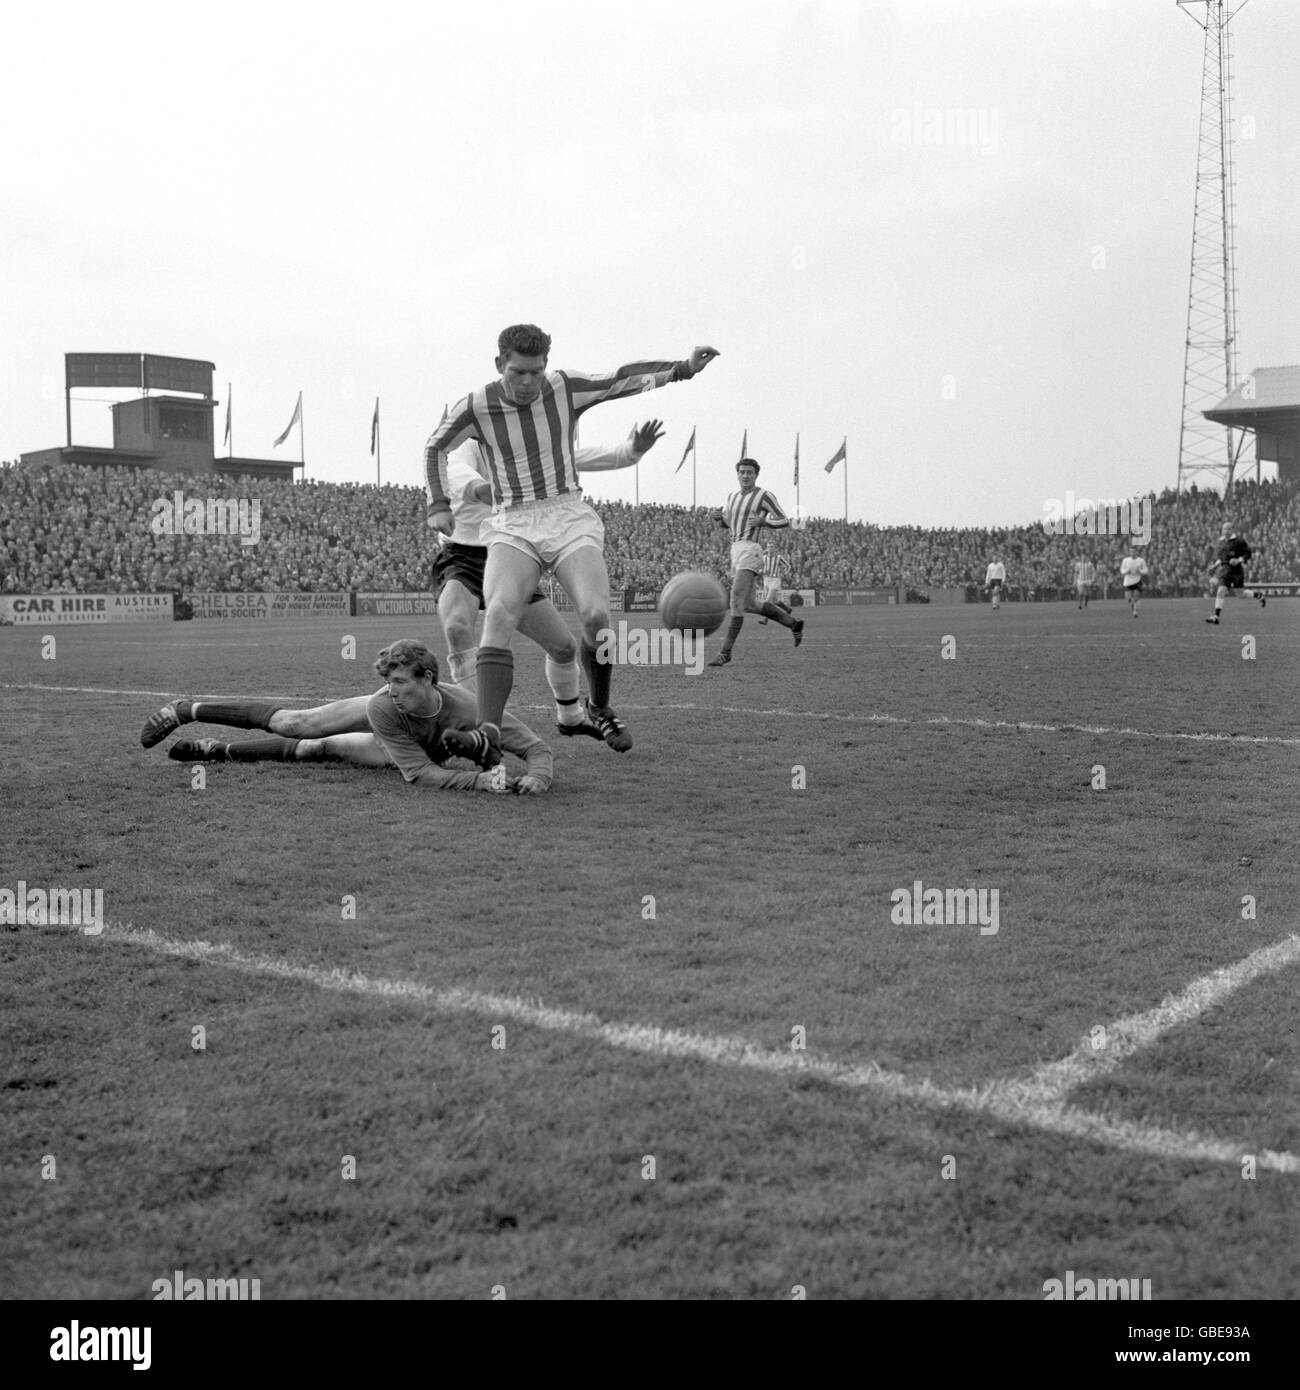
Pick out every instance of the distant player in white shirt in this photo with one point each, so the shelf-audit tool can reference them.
(994, 578)
(1085, 574)
(1133, 570)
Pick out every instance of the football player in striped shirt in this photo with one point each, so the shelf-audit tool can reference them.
(747, 514)
(458, 574)
(525, 423)
(775, 568)
(1085, 574)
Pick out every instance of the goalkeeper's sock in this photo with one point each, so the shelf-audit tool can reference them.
(496, 677)
(237, 714)
(565, 682)
(600, 675)
(461, 664)
(263, 750)
(733, 631)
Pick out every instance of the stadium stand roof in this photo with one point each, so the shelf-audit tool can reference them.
(1268, 402)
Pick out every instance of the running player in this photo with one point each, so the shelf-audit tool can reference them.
(994, 578)
(414, 723)
(1133, 572)
(458, 574)
(747, 513)
(1229, 568)
(1085, 573)
(775, 569)
(525, 423)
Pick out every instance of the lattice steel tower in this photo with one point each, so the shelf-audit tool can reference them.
(1210, 357)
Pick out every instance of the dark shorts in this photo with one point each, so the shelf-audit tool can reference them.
(1232, 576)
(1133, 588)
(995, 584)
(465, 564)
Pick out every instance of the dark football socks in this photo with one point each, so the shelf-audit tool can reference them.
(495, 671)
(733, 631)
(600, 675)
(236, 714)
(777, 614)
(262, 750)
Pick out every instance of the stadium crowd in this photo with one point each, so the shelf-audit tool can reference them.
(84, 529)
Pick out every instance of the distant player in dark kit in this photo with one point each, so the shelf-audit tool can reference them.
(747, 514)
(1229, 568)
(526, 423)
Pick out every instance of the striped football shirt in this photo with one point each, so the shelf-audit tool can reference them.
(529, 449)
(744, 510)
(775, 564)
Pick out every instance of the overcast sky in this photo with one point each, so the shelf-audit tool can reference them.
(353, 201)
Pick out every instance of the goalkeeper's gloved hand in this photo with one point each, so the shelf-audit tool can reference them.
(530, 786)
(498, 780)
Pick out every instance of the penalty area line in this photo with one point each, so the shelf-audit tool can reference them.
(1013, 1102)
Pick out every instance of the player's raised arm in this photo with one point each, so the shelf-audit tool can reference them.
(600, 459)
(455, 429)
(587, 390)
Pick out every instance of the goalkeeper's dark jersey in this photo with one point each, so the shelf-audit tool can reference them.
(1232, 553)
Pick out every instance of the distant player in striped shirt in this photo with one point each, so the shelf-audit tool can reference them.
(526, 424)
(747, 514)
(1085, 575)
(775, 568)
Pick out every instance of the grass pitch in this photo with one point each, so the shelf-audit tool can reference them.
(657, 1035)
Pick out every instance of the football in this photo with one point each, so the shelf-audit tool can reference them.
(693, 600)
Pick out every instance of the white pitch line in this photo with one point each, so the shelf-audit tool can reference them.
(1124, 1037)
(1020, 725)
(166, 694)
(938, 721)
(1026, 1103)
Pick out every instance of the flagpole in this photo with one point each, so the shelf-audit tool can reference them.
(797, 478)
(846, 479)
(302, 446)
(379, 446)
(695, 455)
(230, 422)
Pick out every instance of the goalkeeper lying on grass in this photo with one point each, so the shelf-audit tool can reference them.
(414, 724)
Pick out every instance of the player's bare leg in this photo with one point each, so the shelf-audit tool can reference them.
(457, 611)
(509, 579)
(1220, 594)
(541, 622)
(586, 580)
